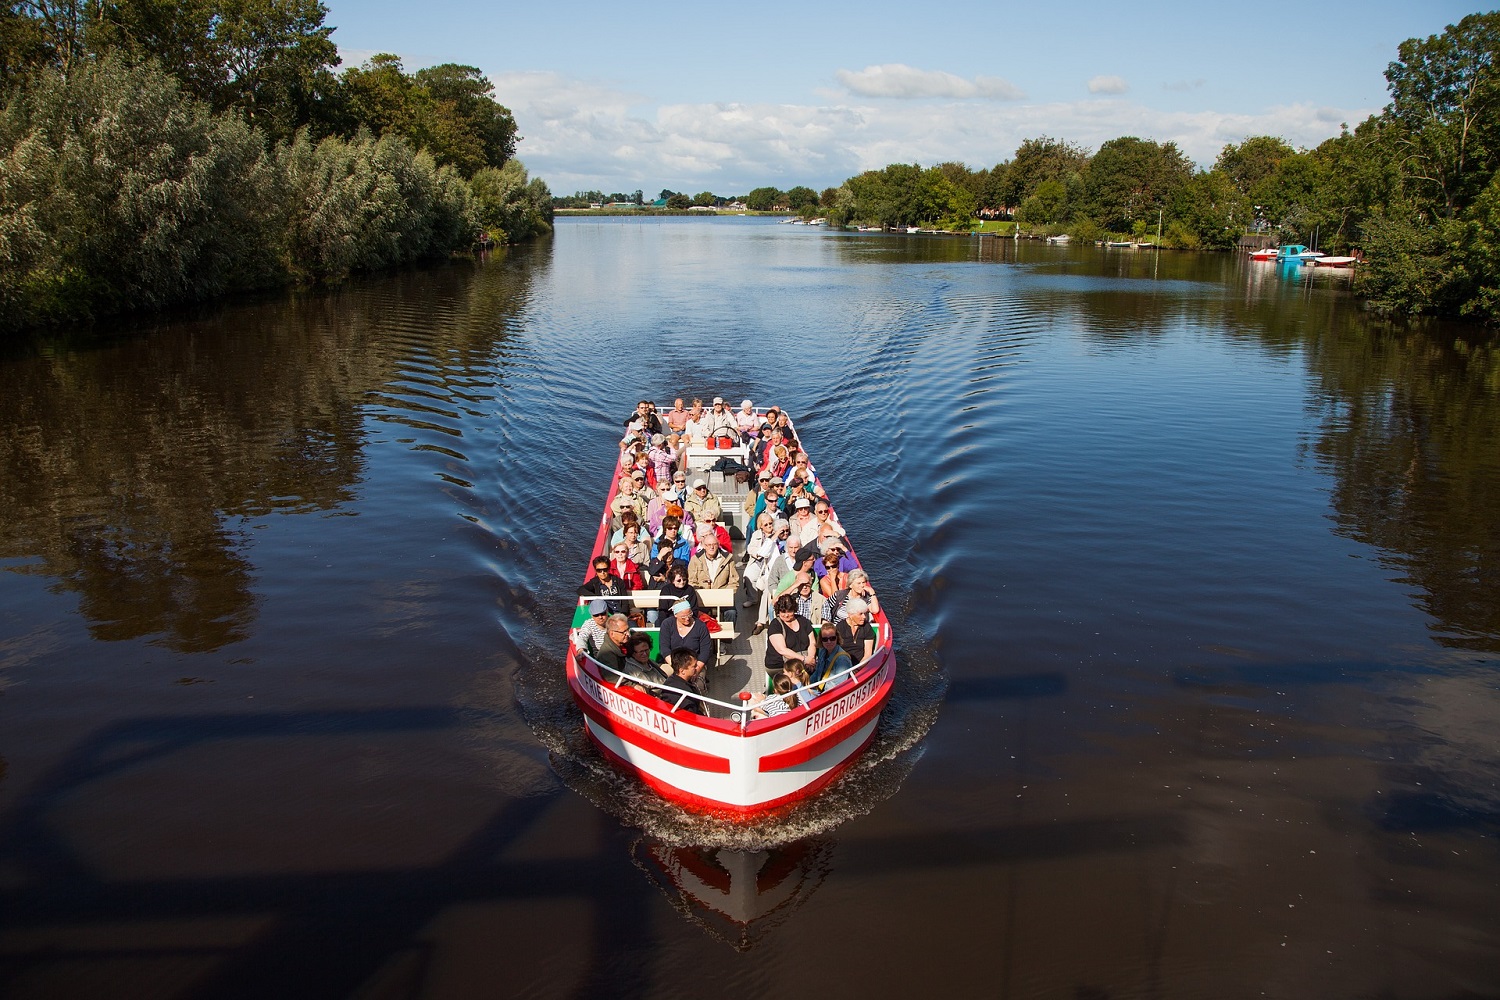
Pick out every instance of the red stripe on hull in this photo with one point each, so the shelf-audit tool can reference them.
(635, 735)
(830, 737)
(698, 803)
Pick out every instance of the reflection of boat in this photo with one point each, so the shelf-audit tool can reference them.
(1295, 252)
(728, 761)
(1334, 261)
(737, 896)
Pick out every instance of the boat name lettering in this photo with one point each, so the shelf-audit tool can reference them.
(627, 709)
(828, 715)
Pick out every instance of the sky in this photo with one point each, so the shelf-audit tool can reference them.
(664, 94)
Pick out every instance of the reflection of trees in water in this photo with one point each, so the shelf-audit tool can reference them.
(1411, 431)
(123, 465)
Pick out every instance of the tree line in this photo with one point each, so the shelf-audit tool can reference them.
(155, 152)
(1415, 188)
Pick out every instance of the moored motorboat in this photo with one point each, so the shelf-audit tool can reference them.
(1295, 252)
(727, 761)
(1334, 261)
(1265, 253)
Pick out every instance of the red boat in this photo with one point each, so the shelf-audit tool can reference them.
(728, 761)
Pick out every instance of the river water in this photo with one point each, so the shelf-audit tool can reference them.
(1194, 569)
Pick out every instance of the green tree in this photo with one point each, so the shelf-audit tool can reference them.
(26, 44)
(1209, 212)
(705, 198)
(117, 191)
(511, 207)
(367, 203)
(448, 110)
(1445, 105)
(1047, 205)
(1130, 179)
(1252, 161)
(1038, 160)
(271, 59)
(679, 202)
(801, 197)
(460, 122)
(763, 199)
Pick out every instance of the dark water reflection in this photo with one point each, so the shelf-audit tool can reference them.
(1193, 567)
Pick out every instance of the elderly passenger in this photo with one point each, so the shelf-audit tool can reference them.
(612, 650)
(703, 505)
(720, 426)
(854, 632)
(686, 632)
(713, 568)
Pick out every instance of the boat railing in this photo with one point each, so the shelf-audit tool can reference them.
(737, 712)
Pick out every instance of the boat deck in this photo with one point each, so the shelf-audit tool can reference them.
(741, 662)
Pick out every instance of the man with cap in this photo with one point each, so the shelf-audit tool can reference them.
(703, 505)
(751, 496)
(591, 632)
(720, 423)
(805, 527)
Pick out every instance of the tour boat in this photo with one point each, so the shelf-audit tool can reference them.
(727, 762)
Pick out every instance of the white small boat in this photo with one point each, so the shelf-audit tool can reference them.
(1059, 239)
(1265, 253)
(1334, 261)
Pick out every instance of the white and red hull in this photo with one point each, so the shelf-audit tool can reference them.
(715, 765)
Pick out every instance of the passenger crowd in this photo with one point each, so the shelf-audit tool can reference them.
(667, 534)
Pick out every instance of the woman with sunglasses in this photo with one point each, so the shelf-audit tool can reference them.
(833, 659)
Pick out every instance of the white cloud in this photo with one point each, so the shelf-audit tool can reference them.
(1108, 85)
(906, 82)
(580, 135)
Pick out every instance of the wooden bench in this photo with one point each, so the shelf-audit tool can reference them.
(714, 602)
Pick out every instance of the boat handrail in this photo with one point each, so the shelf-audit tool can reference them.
(741, 711)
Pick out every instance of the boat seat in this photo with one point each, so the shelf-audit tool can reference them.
(715, 601)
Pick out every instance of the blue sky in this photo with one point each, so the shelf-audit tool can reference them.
(674, 95)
